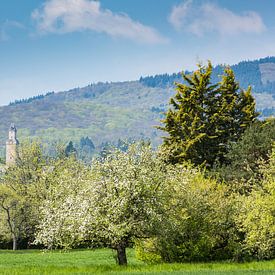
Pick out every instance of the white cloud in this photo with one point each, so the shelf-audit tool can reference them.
(65, 16)
(207, 17)
(179, 13)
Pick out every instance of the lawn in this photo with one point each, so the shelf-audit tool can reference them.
(101, 261)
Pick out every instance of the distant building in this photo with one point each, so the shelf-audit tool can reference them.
(11, 146)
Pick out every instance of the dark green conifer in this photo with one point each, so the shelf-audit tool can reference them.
(70, 149)
(205, 116)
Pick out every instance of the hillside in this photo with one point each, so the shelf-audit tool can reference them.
(104, 112)
(107, 112)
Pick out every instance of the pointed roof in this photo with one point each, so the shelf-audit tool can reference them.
(12, 127)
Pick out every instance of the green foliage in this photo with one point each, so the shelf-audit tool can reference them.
(21, 193)
(244, 157)
(12, 208)
(256, 218)
(65, 199)
(146, 251)
(257, 221)
(113, 203)
(198, 222)
(204, 117)
(118, 110)
(171, 213)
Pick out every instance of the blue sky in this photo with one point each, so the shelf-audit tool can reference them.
(56, 45)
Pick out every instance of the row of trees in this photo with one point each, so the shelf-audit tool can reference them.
(85, 150)
(170, 212)
(30, 99)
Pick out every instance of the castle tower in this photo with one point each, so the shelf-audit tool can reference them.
(11, 145)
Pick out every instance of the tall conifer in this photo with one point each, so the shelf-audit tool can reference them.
(205, 116)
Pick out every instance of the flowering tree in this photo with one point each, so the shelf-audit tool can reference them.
(118, 200)
(65, 205)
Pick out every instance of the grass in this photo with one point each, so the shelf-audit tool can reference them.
(101, 261)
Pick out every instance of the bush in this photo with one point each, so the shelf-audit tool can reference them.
(146, 251)
(256, 217)
(198, 224)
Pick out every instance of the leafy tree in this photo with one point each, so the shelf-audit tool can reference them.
(12, 208)
(116, 203)
(204, 117)
(66, 203)
(21, 193)
(198, 222)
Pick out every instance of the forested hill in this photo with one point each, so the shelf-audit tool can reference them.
(260, 74)
(107, 112)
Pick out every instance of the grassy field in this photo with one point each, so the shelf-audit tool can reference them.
(101, 261)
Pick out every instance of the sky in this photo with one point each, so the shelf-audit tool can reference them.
(56, 45)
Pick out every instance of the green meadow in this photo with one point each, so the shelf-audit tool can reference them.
(102, 261)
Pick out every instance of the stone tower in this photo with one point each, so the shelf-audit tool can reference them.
(11, 145)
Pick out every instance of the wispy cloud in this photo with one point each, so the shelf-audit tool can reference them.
(65, 16)
(6, 27)
(208, 17)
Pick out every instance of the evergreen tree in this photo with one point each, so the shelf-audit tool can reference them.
(70, 150)
(86, 149)
(87, 142)
(205, 116)
(244, 158)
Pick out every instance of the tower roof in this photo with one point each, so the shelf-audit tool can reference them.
(12, 127)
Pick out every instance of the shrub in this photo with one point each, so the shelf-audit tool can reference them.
(198, 223)
(146, 251)
(256, 217)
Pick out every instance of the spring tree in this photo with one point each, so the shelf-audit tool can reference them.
(115, 202)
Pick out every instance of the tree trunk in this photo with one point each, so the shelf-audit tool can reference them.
(14, 243)
(121, 255)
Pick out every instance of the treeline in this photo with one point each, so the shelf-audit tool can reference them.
(85, 150)
(247, 73)
(161, 80)
(30, 99)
